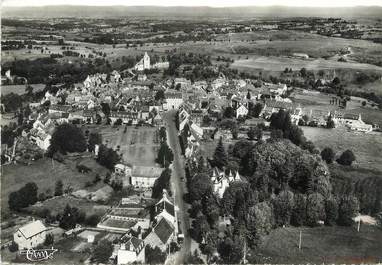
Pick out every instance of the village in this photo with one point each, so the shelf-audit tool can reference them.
(130, 111)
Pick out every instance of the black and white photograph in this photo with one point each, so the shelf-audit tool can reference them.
(191, 132)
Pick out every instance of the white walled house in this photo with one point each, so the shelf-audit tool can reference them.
(173, 100)
(30, 235)
(241, 111)
(131, 250)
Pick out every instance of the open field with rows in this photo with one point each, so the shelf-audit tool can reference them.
(138, 145)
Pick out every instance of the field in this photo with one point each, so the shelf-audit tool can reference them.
(342, 245)
(273, 63)
(138, 145)
(45, 173)
(367, 147)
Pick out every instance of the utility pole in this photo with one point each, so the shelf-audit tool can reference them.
(359, 224)
(299, 242)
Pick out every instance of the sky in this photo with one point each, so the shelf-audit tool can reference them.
(212, 3)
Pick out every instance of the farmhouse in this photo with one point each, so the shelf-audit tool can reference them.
(130, 249)
(144, 176)
(30, 235)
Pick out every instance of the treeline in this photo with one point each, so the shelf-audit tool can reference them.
(49, 70)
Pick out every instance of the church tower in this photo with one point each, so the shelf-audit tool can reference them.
(146, 61)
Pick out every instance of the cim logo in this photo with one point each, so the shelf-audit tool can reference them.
(38, 254)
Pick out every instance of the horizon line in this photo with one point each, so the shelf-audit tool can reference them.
(184, 6)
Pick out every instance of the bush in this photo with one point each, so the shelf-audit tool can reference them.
(13, 247)
(346, 158)
(49, 240)
(327, 154)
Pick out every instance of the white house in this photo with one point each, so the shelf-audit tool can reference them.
(173, 100)
(144, 177)
(131, 249)
(30, 235)
(241, 111)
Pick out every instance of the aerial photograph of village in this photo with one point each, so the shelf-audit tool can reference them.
(191, 133)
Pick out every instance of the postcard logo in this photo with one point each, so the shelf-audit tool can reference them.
(38, 254)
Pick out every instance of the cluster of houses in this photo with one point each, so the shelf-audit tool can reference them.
(130, 222)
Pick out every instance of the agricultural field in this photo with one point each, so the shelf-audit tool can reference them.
(367, 147)
(45, 172)
(273, 63)
(138, 145)
(340, 245)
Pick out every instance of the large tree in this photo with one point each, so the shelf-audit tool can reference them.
(283, 205)
(327, 154)
(347, 210)
(163, 182)
(108, 157)
(94, 138)
(103, 251)
(331, 211)
(67, 138)
(315, 209)
(220, 156)
(165, 155)
(346, 158)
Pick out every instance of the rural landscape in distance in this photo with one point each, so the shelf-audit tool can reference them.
(190, 134)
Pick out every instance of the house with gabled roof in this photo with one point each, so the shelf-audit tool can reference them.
(130, 249)
(30, 235)
(162, 234)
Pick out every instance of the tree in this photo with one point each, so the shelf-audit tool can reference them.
(27, 195)
(92, 220)
(59, 189)
(107, 157)
(154, 255)
(248, 95)
(67, 138)
(161, 183)
(330, 123)
(70, 217)
(165, 155)
(363, 103)
(347, 210)
(255, 133)
(303, 72)
(103, 251)
(327, 154)
(231, 251)
(299, 210)
(105, 109)
(49, 240)
(315, 209)
(200, 227)
(261, 219)
(94, 138)
(331, 211)
(346, 158)
(283, 206)
(255, 110)
(229, 112)
(160, 95)
(220, 157)
(11, 102)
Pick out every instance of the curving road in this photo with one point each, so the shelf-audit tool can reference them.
(178, 173)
